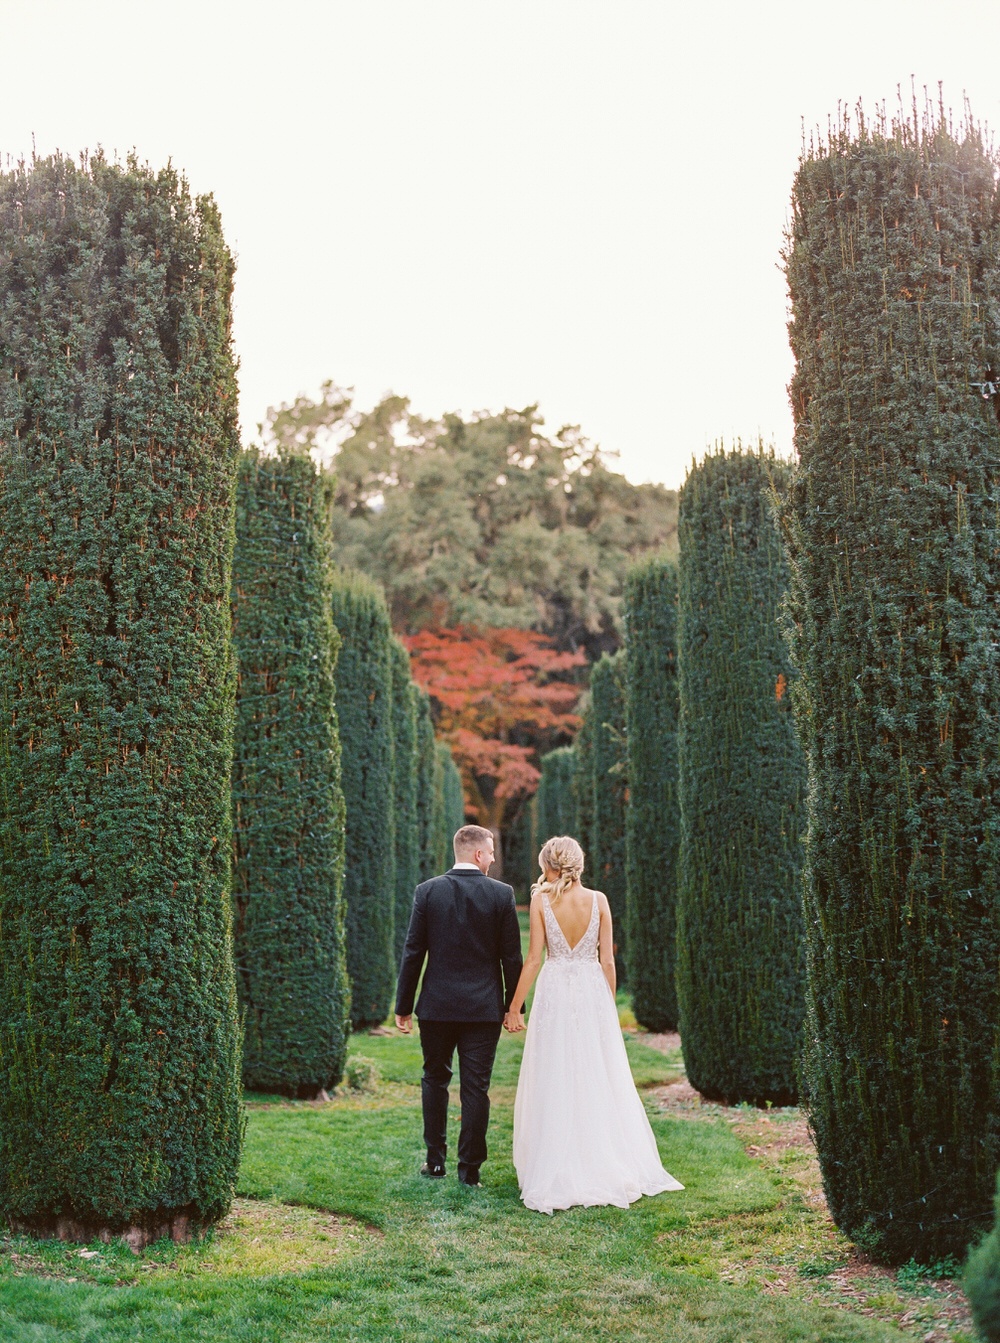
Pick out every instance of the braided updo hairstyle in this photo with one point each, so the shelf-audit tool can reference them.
(563, 854)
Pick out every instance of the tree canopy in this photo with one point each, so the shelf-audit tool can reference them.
(501, 698)
(490, 521)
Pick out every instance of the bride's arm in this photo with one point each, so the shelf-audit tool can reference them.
(607, 943)
(514, 1021)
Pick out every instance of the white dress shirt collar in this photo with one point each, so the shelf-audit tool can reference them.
(465, 867)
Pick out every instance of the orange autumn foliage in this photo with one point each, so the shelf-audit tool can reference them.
(502, 697)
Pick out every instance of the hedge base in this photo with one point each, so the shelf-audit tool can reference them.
(777, 1099)
(178, 1225)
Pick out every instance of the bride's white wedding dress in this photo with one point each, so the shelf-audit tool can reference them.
(581, 1135)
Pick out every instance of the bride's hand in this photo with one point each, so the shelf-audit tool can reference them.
(514, 1022)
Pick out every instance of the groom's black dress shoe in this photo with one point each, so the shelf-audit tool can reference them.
(434, 1172)
(469, 1177)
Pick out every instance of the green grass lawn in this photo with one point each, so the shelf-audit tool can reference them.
(336, 1237)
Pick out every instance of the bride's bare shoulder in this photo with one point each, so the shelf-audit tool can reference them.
(602, 899)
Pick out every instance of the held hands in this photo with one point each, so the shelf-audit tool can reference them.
(513, 1022)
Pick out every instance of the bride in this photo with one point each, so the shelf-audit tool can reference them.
(581, 1135)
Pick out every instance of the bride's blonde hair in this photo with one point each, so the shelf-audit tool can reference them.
(563, 855)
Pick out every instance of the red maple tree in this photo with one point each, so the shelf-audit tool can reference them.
(502, 697)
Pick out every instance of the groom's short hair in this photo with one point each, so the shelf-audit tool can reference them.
(470, 838)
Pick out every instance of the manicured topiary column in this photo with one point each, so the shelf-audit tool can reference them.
(119, 1040)
(742, 783)
(405, 786)
(895, 622)
(556, 797)
(288, 807)
(652, 817)
(430, 790)
(453, 799)
(583, 787)
(607, 725)
(441, 847)
(520, 849)
(365, 716)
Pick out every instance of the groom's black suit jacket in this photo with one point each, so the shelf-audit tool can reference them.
(466, 925)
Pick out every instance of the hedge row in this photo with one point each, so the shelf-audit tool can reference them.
(288, 807)
(440, 805)
(430, 785)
(742, 791)
(652, 817)
(452, 802)
(120, 1101)
(520, 849)
(583, 781)
(556, 805)
(365, 716)
(405, 792)
(601, 788)
(321, 674)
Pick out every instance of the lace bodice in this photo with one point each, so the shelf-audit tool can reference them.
(558, 948)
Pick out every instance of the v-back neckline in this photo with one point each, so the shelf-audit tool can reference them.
(586, 930)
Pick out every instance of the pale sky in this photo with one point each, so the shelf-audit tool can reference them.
(480, 204)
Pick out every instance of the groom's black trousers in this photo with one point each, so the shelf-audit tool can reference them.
(476, 1042)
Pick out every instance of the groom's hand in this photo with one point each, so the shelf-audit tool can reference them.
(514, 1022)
(405, 1024)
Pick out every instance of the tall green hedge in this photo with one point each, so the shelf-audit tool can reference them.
(430, 785)
(288, 808)
(610, 793)
(742, 791)
(119, 1040)
(894, 539)
(583, 786)
(365, 715)
(520, 849)
(442, 856)
(556, 795)
(405, 789)
(440, 797)
(652, 818)
(452, 799)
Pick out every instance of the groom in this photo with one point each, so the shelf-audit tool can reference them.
(466, 925)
